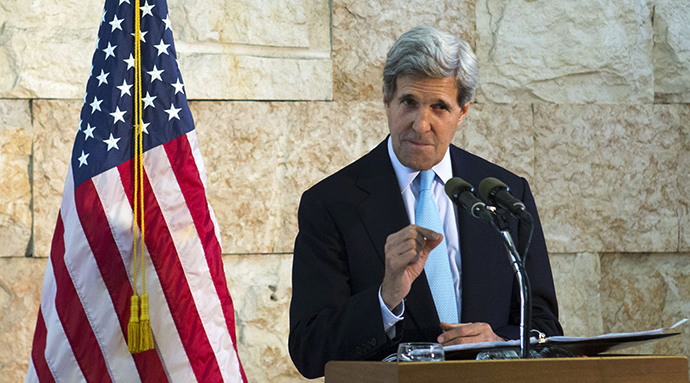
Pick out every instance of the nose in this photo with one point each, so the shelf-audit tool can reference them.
(422, 121)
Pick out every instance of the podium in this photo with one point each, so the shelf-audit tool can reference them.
(616, 369)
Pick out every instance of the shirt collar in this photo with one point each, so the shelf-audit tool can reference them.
(405, 175)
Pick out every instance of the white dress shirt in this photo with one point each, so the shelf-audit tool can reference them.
(409, 187)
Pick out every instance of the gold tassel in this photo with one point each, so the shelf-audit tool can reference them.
(145, 325)
(133, 341)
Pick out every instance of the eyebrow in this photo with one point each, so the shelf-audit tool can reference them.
(439, 101)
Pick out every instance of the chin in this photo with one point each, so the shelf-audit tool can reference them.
(421, 164)
(418, 158)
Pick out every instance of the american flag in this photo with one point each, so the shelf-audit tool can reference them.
(81, 331)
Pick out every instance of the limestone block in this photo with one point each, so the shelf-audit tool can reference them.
(275, 23)
(46, 47)
(577, 279)
(565, 51)
(260, 50)
(15, 178)
(364, 31)
(502, 134)
(647, 291)
(607, 176)
(21, 283)
(671, 51)
(210, 72)
(234, 49)
(261, 291)
(55, 128)
(243, 148)
(323, 138)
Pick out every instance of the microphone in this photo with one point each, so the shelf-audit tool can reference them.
(462, 194)
(497, 193)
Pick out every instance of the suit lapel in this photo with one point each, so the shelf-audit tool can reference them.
(383, 210)
(478, 262)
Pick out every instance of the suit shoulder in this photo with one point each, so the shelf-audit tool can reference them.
(476, 168)
(481, 165)
(345, 179)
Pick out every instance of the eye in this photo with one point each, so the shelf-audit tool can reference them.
(409, 102)
(441, 106)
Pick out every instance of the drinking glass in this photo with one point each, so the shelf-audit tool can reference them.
(420, 352)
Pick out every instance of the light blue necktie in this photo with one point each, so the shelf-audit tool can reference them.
(437, 267)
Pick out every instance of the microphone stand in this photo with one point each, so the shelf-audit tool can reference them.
(500, 223)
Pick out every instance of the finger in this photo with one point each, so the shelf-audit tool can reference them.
(458, 331)
(468, 333)
(429, 235)
(402, 250)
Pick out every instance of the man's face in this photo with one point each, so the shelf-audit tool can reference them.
(423, 117)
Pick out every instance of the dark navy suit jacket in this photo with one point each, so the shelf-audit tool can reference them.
(338, 266)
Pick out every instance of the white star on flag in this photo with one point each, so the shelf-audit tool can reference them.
(109, 50)
(96, 105)
(82, 159)
(102, 78)
(162, 48)
(112, 142)
(168, 24)
(88, 132)
(172, 112)
(155, 74)
(178, 86)
(129, 61)
(142, 34)
(124, 88)
(146, 9)
(116, 23)
(148, 100)
(118, 115)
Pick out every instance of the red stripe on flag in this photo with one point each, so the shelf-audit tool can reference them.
(183, 164)
(173, 281)
(72, 316)
(38, 351)
(113, 271)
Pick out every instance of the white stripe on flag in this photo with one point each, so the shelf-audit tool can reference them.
(31, 375)
(196, 153)
(192, 259)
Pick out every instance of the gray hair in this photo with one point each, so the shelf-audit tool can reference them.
(426, 52)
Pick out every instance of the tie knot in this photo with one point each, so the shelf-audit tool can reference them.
(427, 177)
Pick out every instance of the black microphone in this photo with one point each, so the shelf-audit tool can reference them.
(462, 194)
(497, 193)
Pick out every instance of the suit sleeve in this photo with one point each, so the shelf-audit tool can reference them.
(544, 303)
(328, 321)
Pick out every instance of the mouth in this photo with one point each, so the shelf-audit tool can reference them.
(417, 143)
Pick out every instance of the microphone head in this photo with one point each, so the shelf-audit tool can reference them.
(455, 186)
(489, 186)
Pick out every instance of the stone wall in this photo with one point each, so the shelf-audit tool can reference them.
(589, 100)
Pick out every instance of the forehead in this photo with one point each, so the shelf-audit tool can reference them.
(444, 89)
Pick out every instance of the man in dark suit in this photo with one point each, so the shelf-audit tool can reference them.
(361, 270)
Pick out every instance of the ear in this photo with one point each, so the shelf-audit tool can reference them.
(463, 112)
(465, 108)
(385, 100)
